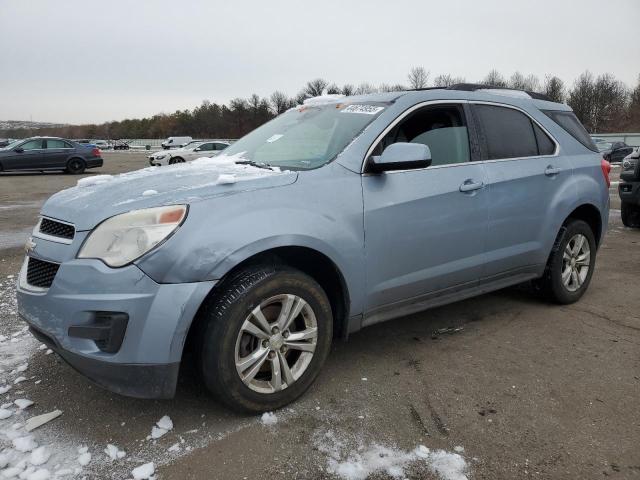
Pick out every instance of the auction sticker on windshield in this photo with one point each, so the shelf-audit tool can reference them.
(366, 109)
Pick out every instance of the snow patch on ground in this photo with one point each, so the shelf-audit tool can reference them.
(362, 461)
(269, 418)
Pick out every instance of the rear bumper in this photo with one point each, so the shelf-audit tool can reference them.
(629, 192)
(94, 162)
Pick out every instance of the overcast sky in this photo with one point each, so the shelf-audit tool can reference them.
(79, 61)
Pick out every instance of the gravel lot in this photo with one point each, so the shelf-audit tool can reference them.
(523, 390)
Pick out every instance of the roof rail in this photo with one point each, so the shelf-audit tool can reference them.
(472, 87)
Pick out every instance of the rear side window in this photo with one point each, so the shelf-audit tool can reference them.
(570, 123)
(545, 144)
(57, 144)
(508, 133)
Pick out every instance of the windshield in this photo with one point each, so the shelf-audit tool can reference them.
(13, 144)
(193, 144)
(307, 136)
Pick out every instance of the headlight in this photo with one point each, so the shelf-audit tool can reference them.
(124, 238)
(160, 157)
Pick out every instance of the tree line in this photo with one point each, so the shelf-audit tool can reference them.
(602, 103)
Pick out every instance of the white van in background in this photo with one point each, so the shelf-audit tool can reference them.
(175, 142)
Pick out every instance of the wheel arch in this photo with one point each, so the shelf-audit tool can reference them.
(590, 214)
(309, 261)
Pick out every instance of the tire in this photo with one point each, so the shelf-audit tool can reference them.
(226, 346)
(630, 215)
(76, 166)
(562, 290)
(176, 160)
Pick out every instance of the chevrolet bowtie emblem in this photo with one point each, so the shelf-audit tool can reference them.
(30, 245)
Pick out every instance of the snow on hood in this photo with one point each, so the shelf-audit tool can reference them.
(97, 197)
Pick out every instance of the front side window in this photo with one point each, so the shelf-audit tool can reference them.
(308, 136)
(221, 146)
(32, 145)
(442, 128)
(508, 133)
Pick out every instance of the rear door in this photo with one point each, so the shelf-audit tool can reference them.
(56, 153)
(425, 229)
(29, 158)
(525, 175)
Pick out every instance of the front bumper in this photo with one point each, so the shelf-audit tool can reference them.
(159, 316)
(629, 192)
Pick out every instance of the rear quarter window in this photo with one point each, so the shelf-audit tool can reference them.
(570, 123)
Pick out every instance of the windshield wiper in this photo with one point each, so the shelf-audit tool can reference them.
(254, 164)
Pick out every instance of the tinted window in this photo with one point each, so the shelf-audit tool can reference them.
(221, 146)
(32, 145)
(569, 122)
(443, 129)
(545, 144)
(508, 133)
(205, 147)
(57, 144)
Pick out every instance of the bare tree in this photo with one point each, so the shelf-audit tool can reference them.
(418, 78)
(517, 81)
(554, 88)
(494, 79)
(600, 104)
(348, 89)
(447, 80)
(279, 102)
(633, 111)
(333, 89)
(314, 88)
(385, 87)
(365, 88)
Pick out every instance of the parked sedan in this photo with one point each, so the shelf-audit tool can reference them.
(188, 153)
(49, 153)
(615, 151)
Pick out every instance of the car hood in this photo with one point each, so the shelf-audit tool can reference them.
(99, 197)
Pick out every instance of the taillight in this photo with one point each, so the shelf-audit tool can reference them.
(95, 152)
(606, 169)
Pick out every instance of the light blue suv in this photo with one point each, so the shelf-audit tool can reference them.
(336, 215)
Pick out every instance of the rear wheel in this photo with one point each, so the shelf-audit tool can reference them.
(570, 266)
(630, 215)
(265, 338)
(76, 166)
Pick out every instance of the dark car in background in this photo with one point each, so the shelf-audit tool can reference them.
(49, 153)
(614, 152)
(629, 190)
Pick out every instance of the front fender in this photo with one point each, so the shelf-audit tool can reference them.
(322, 211)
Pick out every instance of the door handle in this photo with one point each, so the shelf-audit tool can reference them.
(470, 186)
(550, 171)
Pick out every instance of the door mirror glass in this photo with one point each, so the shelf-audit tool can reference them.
(402, 156)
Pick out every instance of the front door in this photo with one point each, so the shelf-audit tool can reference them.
(425, 229)
(28, 156)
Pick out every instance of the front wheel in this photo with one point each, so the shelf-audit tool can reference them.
(571, 263)
(265, 338)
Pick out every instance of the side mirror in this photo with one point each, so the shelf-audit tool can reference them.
(197, 149)
(18, 149)
(402, 156)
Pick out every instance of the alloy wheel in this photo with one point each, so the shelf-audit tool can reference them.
(276, 343)
(576, 260)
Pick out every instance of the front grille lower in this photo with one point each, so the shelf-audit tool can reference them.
(57, 229)
(40, 273)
